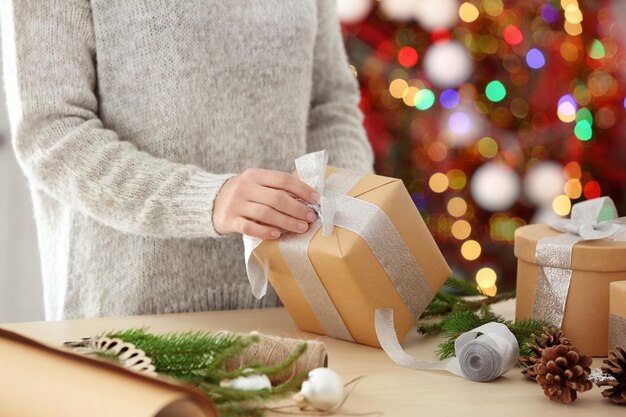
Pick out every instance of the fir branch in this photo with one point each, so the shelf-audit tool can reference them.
(461, 321)
(199, 359)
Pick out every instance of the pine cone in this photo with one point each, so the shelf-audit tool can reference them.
(549, 337)
(561, 371)
(617, 369)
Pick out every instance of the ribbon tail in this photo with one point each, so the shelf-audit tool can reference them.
(257, 272)
(386, 333)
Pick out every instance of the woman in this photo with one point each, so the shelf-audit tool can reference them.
(143, 126)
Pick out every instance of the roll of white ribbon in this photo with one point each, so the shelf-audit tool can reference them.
(482, 354)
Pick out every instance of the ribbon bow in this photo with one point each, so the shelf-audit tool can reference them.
(590, 220)
(311, 169)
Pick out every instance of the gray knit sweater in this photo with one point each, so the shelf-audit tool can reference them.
(127, 118)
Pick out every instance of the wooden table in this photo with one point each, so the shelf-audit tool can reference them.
(387, 387)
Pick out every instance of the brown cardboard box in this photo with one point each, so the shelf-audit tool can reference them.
(595, 264)
(617, 317)
(353, 278)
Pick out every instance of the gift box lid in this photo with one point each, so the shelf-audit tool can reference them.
(592, 255)
(617, 299)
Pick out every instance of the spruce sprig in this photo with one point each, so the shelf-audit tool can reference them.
(455, 314)
(199, 359)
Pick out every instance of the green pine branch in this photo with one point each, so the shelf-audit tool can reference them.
(199, 359)
(451, 314)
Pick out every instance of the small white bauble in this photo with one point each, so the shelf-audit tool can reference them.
(323, 389)
(437, 14)
(544, 182)
(250, 383)
(447, 64)
(401, 10)
(495, 186)
(352, 11)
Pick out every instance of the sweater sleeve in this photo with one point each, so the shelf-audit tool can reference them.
(335, 120)
(64, 149)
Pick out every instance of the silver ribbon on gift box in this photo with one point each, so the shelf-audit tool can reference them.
(590, 220)
(617, 331)
(371, 223)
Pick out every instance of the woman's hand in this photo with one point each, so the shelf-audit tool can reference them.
(262, 203)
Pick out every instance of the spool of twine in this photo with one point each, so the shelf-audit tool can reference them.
(272, 350)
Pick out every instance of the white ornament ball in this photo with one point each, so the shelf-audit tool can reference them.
(250, 383)
(401, 10)
(352, 11)
(447, 64)
(434, 14)
(495, 186)
(544, 182)
(323, 389)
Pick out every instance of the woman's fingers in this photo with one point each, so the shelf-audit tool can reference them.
(283, 181)
(250, 228)
(272, 217)
(285, 203)
(261, 203)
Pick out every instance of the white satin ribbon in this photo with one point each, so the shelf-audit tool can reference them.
(590, 220)
(482, 354)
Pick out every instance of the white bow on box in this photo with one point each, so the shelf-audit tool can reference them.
(590, 220)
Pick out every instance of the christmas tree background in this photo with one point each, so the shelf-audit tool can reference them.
(496, 114)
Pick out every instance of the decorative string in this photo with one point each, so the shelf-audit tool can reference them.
(272, 350)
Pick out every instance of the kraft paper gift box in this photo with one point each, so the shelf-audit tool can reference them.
(617, 315)
(391, 261)
(563, 278)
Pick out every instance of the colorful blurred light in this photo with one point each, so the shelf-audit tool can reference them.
(409, 96)
(438, 182)
(490, 291)
(398, 87)
(424, 99)
(572, 170)
(573, 13)
(512, 35)
(596, 50)
(605, 118)
(457, 207)
(486, 277)
(460, 123)
(567, 107)
(592, 190)
(461, 229)
(562, 205)
(407, 57)
(468, 12)
(535, 59)
(493, 8)
(549, 13)
(583, 130)
(573, 29)
(487, 147)
(457, 179)
(519, 107)
(449, 99)
(584, 114)
(471, 250)
(495, 91)
(573, 188)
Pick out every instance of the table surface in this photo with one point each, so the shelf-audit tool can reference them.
(386, 388)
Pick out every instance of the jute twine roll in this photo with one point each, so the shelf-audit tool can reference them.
(272, 350)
